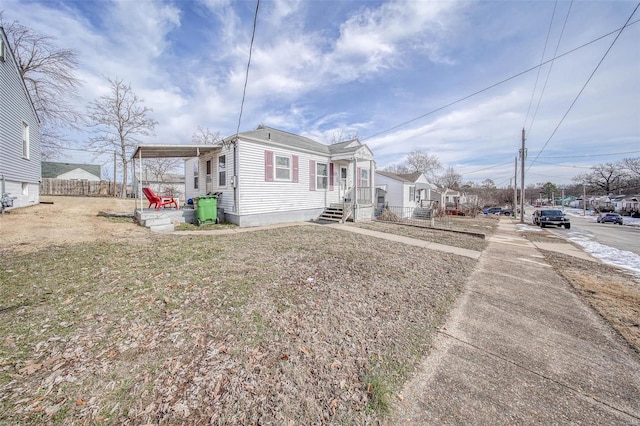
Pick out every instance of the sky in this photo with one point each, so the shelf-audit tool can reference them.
(456, 79)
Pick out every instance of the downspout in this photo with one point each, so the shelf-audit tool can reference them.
(235, 177)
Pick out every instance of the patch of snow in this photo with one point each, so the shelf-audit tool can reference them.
(612, 256)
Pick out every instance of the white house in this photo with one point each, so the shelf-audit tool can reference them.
(19, 133)
(71, 171)
(407, 192)
(266, 176)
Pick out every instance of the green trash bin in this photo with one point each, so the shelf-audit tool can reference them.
(207, 210)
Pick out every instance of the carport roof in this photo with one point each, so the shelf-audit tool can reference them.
(172, 151)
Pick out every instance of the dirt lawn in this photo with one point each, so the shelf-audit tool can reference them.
(104, 322)
(68, 220)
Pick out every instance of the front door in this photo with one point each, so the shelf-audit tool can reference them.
(343, 181)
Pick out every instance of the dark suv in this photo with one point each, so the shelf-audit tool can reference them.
(544, 218)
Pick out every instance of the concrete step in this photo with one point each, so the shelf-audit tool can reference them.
(329, 219)
(162, 228)
(156, 221)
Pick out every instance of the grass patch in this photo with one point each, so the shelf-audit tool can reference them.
(267, 326)
(205, 226)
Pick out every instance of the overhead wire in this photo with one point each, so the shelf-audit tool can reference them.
(544, 51)
(585, 85)
(246, 77)
(546, 81)
(594, 155)
(496, 84)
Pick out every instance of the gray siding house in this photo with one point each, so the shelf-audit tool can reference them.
(20, 168)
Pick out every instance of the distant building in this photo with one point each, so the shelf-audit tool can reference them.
(70, 171)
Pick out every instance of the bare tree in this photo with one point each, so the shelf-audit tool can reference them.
(49, 73)
(450, 179)
(607, 178)
(423, 162)
(632, 165)
(341, 136)
(399, 169)
(205, 136)
(120, 119)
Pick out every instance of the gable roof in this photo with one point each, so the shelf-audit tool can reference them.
(273, 136)
(406, 178)
(7, 51)
(53, 170)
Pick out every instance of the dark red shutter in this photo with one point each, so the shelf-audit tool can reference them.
(330, 176)
(312, 175)
(294, 160)
(268, 166)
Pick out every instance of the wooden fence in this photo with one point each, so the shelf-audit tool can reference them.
(50, 186)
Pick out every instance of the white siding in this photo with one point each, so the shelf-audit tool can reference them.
(16, 109)
(396, 190)
(78, 174)
(259, 196)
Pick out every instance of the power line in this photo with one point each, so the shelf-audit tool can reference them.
(585, 85)
(246, 77)
(495, 84)
(487, 168)
(593, 155)
(544, 87)
(544, 50)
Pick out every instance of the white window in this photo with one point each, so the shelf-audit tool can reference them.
(364, 178)
(412, 193)
(322, 175)
(222, 170)
(283, 168)
(25, 188)
(25, 140)
(195, 174)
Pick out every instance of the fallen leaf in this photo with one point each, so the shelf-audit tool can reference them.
(80, 401)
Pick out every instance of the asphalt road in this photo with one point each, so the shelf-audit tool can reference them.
(616, 236)
(620, 237)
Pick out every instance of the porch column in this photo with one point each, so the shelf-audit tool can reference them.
(372, 183)
(355, 190)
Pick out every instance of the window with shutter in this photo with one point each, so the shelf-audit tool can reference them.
(312, 175)
(268, 166)
(331, 176)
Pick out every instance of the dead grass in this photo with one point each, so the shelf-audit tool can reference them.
(300, 325)
(613, 292)
(455, 236)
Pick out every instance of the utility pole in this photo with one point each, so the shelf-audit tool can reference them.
(584, 200)
(523, 154)
(515, 190)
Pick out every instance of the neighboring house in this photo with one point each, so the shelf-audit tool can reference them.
(268, 176)
(171, 184)
(19, 133)
(407, 192)
(71, 171)
(630, 203)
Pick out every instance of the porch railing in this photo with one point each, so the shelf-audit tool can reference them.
(413, 216)
(364, 195)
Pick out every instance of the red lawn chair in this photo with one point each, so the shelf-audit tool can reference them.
(158, 201)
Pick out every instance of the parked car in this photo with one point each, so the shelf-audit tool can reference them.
(545, 217)
(609, 217)
(497, 210)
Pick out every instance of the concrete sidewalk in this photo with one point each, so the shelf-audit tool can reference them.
(522, 348)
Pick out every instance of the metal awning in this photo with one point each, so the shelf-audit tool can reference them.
(173, 151)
